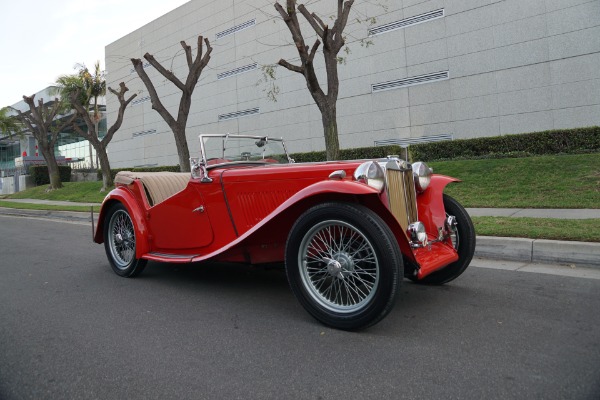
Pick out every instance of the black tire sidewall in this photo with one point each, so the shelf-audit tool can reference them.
(136, 265)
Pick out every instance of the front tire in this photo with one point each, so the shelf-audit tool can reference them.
(463, 240)
(120, 242)
(344, 265)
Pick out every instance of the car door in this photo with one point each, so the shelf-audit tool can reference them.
(180, 222)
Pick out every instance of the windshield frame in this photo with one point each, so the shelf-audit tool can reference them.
(226, 137)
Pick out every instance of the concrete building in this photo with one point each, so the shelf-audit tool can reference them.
(437, 69)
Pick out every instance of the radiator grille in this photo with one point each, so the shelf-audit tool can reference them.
(402, 196)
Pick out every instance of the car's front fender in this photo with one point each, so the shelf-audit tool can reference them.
(431, 203)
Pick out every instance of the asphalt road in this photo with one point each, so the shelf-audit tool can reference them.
(72, 329)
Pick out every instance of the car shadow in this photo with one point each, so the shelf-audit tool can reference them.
(418, 307)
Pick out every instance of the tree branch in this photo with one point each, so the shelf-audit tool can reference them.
(311, 20)
(163, 71)
(188, 53)
(156, 103)
(340, 23)
(122, 105)
(313, 51)
(291, 67)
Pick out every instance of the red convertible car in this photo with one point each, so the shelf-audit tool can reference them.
(347, 231)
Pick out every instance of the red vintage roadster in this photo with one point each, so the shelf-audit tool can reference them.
(348, 231)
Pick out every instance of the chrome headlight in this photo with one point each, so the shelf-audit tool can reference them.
(417, 233)
(372, 174)
(422, 174)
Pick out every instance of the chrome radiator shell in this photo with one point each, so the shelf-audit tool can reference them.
(401, 192)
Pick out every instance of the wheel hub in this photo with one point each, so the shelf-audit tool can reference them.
(340, 266)
(119, 238)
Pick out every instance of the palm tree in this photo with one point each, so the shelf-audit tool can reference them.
(80, 92)
(87, 86)
(9, 123)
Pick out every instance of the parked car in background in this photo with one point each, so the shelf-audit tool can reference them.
(348, 232)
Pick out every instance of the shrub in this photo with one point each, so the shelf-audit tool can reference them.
(578, 140)
(39, 174)
(359, 153)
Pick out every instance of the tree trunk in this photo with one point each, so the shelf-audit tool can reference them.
(330, 131)
(182, 150)
(53, 171)
(107, 181)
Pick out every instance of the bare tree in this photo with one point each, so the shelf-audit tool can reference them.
(92, 135)
(195, 67)
(41, 121)
(333, 41)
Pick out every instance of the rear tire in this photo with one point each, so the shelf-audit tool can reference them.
(120, 242)
(463, 240)
(344, 265)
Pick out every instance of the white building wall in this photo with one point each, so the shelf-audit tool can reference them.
(513, 65)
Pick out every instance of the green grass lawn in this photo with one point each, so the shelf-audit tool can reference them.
(583, 230)
(565, 181)
(84, 192)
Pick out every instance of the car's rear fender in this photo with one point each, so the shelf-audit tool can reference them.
(126, 197)
(273, 229)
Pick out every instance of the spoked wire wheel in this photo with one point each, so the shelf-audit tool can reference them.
(343, 264)
(120, 242)
(121, 237)
(339, 266)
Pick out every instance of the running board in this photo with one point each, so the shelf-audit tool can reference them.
(170, 258)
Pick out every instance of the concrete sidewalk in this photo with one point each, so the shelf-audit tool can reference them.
(580, 254)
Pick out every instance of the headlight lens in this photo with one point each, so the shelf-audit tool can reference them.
(422, 174)
(372, 174)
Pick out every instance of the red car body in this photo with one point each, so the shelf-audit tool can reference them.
(244, 212)
(250, 210)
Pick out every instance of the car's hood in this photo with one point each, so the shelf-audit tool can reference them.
(268, 172)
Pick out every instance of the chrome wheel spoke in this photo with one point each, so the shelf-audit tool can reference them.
(121, 238)
(340, 269)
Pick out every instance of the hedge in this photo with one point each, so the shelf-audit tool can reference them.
(359, 153)
(578, 140)
(168, 168)
(39, 173)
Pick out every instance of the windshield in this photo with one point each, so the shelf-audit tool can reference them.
(218, 149)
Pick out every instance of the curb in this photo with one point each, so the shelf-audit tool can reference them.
(69, 216)
(581, 254)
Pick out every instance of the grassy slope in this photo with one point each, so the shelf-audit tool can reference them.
(583, 230)
(565, 181)
(85, 192)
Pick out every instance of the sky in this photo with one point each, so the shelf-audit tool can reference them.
(41, 39)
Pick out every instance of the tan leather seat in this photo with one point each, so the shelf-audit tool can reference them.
(159, 185)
